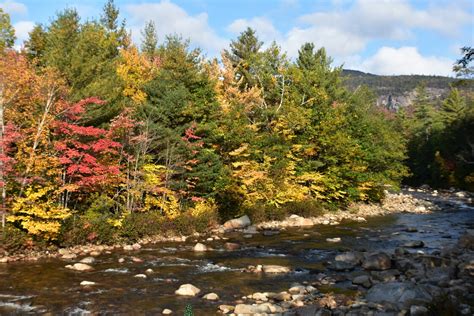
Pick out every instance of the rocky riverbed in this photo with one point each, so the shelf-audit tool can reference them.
(414, 255)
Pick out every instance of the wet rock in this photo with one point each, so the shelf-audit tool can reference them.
(363, 280)
(231, 246)
(333, 240)
(121, 260)
(95, 253)
(275, 269)
(385, 275)
(199, 247)
(87, 283)
(377, 261)
(226, 308)
(88, 260)
(187, 290)
(80, 267)
(167, 311)
(414, 244)
(341, 266)
(411, 229)
(141, 276)
(237, 223)
(416, 310)
(352, 257)
(137, 260)
(211, 297)
(149, 271)
(401, 251)
(402, 294)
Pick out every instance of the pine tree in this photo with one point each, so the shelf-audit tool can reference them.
(7, 33)
(150, 39)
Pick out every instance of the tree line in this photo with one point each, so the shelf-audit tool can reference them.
(103, 139)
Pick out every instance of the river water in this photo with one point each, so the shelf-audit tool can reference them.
(47, 287)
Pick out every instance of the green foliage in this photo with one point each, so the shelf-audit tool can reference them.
(188, 311)
(7, 32)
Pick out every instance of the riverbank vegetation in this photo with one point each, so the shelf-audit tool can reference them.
(102, 140)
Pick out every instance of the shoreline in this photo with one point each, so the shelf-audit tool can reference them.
(392, 204)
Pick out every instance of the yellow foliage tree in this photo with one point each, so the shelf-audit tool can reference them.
(39, 213)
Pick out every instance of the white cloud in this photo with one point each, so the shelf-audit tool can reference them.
(403, 61)
(347, 32)
(12, 7)
(264, 27)
(170, 18)
(22, 28)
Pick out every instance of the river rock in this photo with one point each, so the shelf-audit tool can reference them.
(80, 267)
(341, 266)
(226, 308)
(87, 283)
(237, 223)
(363, 280)
(333, 240)
(200, 247)
(88, 260)
(416, 310)
(231, 246)
(402, 294)
(275, 269)
(187, 290)
(167, 311)
(260, 296)
(264, 308)
(377, 261)
(414, 244)
(211, 297)
(141, 275)
(352, 257)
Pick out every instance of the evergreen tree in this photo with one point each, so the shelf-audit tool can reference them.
(35, 46)
(150, 39)
(243, 54)
(7, 33)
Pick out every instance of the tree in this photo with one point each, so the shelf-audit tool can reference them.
(150, 40)
(463, 67)
(243, 54)
(7, 33)
(35, 46)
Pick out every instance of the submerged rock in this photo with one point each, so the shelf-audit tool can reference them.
(187, 290)
(88, 260)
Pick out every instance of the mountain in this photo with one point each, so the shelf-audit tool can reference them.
(399, 91)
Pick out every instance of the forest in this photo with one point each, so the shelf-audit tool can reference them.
(103, 139)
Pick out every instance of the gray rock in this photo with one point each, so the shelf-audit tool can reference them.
(416, 310)
(402, 294)
(88, 260)
(80, 267)
(251, 309)
(341, 266)
(363, 280)
(350, 257)
(414, 244)
(237, 223)
(377, 261)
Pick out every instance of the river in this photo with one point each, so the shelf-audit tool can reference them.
(47, 286)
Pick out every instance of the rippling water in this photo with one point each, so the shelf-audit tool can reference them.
(47, 286)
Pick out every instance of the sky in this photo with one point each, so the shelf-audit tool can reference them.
(387, 37)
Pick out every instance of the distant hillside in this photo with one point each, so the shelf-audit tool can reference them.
(396, 91)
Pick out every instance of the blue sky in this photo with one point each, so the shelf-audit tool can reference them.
(378, 36)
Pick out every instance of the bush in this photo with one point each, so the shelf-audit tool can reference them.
(307, 208)
(14, 239)
(140, 224)
(79, 230)
(262, 213)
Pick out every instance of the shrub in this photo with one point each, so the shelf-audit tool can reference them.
(14, 239)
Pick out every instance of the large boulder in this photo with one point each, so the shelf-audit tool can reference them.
(402, 294)
(237, 223)
(377, 261)
(187, 290)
